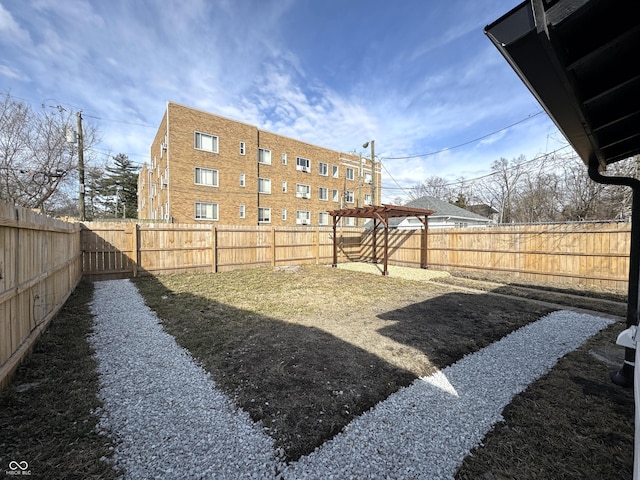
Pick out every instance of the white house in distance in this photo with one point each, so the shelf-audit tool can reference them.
(446, 216)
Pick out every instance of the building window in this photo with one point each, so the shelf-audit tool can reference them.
(334, 171)
(284, 158)
(284, 214)
(348, 196)
(208, 143)
(206, 176)
(243, 211)
(350, 174)
(206, 211)
(264, 185)
(323, 218)
(335, 195)
(323, 169)
(303, 164)
(303, 191)
(349, 222)
(284, 187)
(264, 215)
(303, 217)
(367, 199)
(264, 156)
(243, 180)
(323, 193)
(243, 149)
(367, 178)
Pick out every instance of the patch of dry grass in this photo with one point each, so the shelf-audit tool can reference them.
(306, 350)
(573, 424)
(46, 415)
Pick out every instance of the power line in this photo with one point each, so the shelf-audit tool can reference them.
(394, 180)
(84, 115)
(109, 154)
(468, 142)
(121, 121)
(470, 180)
(517, 165)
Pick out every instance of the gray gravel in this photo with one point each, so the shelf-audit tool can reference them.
(169, 420)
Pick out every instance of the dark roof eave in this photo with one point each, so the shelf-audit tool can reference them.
(530, 55)
(549, 45)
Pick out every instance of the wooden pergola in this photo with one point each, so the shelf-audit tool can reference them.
(380, 214)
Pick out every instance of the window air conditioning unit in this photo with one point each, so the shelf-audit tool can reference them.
(306, 169)
(165, 182)
(302, 221)
(306, 195)
(300, 168)
(163, 146)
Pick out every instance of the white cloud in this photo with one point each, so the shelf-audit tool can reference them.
(7, 71)
(425, 86)
(11, 30)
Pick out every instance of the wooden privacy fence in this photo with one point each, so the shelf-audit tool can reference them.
(111, 250)
(588, 254)
(42, 259)
(40, 265)
(595, 254)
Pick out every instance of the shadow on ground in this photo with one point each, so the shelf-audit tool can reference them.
(305, 384)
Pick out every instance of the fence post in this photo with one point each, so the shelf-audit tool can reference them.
(317, 245)
(273, 246)
(518, 255)
(135, 249)
(214, 249)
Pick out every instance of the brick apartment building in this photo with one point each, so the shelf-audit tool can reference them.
(206, 168)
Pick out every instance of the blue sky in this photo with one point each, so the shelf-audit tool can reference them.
(418, 76)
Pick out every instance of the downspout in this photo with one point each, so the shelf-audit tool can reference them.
(624, 376)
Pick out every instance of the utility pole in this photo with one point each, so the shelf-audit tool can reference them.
(373, 171)
(80, 168)
(374, 187)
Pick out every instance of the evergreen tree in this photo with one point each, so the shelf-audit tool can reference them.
(461, 201)
(121, 183)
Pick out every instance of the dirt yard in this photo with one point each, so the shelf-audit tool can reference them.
(305, 350)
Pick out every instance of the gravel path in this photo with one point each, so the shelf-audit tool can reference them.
(170, 421)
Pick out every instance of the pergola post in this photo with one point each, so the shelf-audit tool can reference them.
(373, 246)
(425, 250)
(335, 242)
(386, 248)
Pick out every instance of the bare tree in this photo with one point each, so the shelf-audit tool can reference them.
(36, 162)
(437, 187)
(618, 198)
(500, 189)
